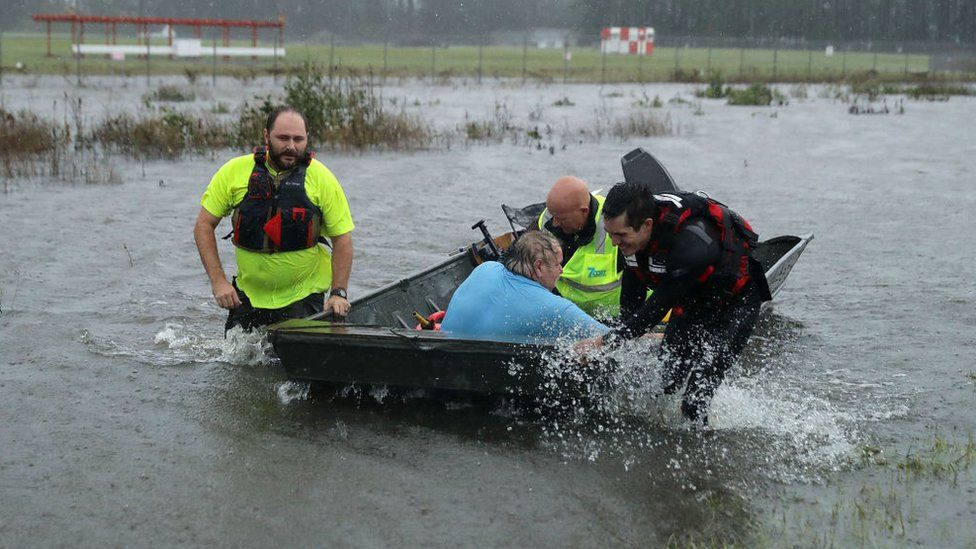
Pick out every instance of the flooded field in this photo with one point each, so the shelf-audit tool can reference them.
(129, 420)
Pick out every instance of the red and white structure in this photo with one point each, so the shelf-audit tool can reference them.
(627, 40)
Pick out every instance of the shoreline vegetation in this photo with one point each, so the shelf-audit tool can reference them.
(346, 112)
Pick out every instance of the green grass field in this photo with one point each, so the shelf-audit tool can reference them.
(586, 65)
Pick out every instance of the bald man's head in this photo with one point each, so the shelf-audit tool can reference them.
(569, 204)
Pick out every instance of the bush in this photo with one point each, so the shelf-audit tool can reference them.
(346, 113)
(169, 135)
(28, 144)
(24, 134)
(757, 95)
(716, 88)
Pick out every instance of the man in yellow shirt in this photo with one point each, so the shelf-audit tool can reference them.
(284, 203)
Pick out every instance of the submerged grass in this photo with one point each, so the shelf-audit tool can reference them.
(170, 93)
(884, 512)
(30, 145)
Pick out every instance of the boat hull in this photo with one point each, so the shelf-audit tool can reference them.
(378, 345)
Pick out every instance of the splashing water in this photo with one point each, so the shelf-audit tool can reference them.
(176, 344)
(614, 407)
(292, 391)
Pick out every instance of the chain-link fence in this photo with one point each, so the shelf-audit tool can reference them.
(529, 56)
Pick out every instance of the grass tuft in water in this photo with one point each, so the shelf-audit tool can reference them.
(30, 145)
(169, 134)
(170, 93)
(643, 124)
(937, 92)
(944, 460)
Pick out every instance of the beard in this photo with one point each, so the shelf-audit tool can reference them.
(285, 164)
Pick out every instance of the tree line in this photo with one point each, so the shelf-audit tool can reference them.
(419, 20)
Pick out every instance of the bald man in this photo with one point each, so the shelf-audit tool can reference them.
(592, 266)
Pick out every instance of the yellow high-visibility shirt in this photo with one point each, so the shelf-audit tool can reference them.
(272, 281)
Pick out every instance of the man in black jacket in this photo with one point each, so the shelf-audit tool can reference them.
(696, 255)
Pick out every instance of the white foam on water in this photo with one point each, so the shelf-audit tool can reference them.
(292, 391)
(176, 344)
(796, 435)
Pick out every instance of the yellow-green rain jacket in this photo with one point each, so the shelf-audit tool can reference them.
(590, 278)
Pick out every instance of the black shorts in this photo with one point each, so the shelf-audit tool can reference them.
(249, 317)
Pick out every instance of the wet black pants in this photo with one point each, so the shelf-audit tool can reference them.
(249, 317)
(701, 345)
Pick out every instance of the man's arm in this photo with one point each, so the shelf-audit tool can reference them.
(341, 267)
(203, 234)
(633, 292)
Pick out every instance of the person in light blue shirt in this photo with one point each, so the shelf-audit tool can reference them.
(516, 299)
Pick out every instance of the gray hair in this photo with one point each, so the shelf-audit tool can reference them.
(531, 246)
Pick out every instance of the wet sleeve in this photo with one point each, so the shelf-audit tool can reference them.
(336, 216)
(693, 251)
(632, 293)
(648, 315)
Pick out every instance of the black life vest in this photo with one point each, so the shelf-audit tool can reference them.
(730, 274)
(276, 218)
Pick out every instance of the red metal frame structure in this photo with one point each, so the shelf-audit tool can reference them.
(142, 26)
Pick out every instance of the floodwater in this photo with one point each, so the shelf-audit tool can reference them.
(127, 420)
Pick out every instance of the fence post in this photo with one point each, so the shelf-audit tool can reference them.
(433, 63)
(525, 54)
(148, 63)
(275, 67)
(775, 63)
(742, 61)
(331, 55)
(677, 59)
(386, 46)
(640, 67)
(481, 59)
(906, 62)
(810, 65)
(214, 64)
(874, 67)
(843, 66)
(1, 58)
(565, 60)
(603, 65)
(78, 65)
(708, 64)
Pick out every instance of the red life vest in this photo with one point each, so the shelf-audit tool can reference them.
(730, 274)
(276, 217)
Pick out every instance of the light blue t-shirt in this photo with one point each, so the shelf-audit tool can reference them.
(495, 302)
